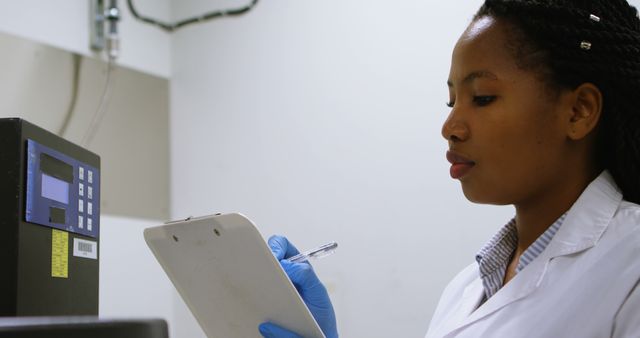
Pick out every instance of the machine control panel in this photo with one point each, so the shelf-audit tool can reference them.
(62, 192)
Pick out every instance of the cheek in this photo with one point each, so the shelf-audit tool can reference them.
(522, 134)
(504, 140)
(524, 147)
(513, 163)
(519, 149)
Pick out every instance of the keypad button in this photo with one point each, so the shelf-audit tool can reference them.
(80, 205)
(90, 192)
(80, 221)
(89, 224)
(89, 208)
(90, 176)
(81, 173)
(81, 189)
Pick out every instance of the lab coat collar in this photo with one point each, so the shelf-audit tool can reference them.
(588, 218)
(585, 223)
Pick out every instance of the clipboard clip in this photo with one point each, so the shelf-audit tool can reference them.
(179, 220)
(189, 218)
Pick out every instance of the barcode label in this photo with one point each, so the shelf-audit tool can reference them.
(85, 249)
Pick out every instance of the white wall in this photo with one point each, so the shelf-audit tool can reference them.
(132, 283)
(65, 24)
(321, 120)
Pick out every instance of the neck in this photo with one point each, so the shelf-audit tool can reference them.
(535, 216)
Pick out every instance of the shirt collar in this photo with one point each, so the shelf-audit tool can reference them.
(498, 250)
(495, 256)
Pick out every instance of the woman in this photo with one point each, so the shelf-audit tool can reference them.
(545, 115)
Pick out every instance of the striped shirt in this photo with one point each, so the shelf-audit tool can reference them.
(495, 256)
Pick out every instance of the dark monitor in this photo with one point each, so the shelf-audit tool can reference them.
(81, 327)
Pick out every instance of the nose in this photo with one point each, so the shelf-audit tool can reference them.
(454, 128)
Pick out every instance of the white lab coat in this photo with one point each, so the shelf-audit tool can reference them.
(584, 284)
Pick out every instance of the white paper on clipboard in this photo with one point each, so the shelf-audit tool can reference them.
(228, 277)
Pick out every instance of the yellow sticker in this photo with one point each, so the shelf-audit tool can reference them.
(60, 254)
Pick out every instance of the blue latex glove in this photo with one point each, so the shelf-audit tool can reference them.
(270, 330)
(311, 290)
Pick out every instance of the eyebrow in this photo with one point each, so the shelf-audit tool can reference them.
(476, 75)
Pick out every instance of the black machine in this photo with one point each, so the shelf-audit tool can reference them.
(81, 327)
(49, 223)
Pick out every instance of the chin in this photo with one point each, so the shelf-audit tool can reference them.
(483, 195)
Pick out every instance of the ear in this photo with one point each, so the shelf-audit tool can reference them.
(586, 107)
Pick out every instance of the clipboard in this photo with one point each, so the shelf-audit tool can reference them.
(228, 277)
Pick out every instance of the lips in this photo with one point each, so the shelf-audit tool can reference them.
(460, 165)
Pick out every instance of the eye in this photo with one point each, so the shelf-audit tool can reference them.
(450, 104)
(483, 100)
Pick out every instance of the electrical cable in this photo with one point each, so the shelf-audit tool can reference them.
(113, 51)
(102, 107)
(76, 60)
(170, 27)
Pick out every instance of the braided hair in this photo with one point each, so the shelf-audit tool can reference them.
(571, 42)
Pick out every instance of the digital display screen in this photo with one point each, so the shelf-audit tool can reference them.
(56, 168)
(57, 215)
(55, 189)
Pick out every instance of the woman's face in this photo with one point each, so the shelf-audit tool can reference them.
(506, 133)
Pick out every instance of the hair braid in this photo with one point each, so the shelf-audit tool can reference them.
(610, 59)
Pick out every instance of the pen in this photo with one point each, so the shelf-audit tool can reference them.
(321, 251)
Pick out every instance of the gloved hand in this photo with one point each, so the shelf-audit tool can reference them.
(311, 290)
(270, 330)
